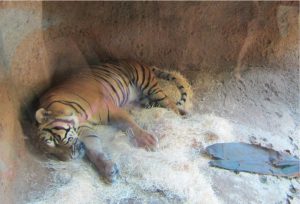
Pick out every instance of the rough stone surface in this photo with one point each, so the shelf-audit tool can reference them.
(242, 59)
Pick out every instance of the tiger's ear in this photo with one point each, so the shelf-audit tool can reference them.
(41, 115)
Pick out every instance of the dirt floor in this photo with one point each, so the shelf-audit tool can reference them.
(241, 58)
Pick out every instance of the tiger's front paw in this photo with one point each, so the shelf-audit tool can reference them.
(146, 140)
(109, 171)
(106, 167)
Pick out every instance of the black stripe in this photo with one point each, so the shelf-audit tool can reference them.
(183, 94)
(92, 136)
(123, 75)
(103, 85)
(61, 120)
(119, 84)
(69, 103)
(73, 150)
(52, 133)
(83, 99)
(156, 91)
(137, 75)
(152, 87)
(160, 99)
(108, 116)
(49, 96)
(100, 118)
(144, 75)
(67, 131)
(56, 135)
(46, 140)
(65, 103)
(148, 82)
(85, 126)
(125, 87)
(48, 130)
(58, 128)
(69, 139)
(111, 86)
(128, 72)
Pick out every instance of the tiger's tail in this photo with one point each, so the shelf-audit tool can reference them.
(180, 82)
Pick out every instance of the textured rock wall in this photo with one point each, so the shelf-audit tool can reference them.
(42, 42)
(194, 36)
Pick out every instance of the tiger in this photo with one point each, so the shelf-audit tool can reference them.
(96, 96)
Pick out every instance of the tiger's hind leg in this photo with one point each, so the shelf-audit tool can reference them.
(157, 97)
(101, 159)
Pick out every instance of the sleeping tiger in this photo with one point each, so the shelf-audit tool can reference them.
(95, 97)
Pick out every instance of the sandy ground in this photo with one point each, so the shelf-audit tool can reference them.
(262, 109)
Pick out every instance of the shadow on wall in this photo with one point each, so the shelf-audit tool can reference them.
(193, 37)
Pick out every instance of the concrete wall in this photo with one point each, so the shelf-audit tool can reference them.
(204, 40)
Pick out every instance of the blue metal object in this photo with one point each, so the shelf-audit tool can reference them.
(253, 158)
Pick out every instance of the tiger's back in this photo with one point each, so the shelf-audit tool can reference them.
(92, 92)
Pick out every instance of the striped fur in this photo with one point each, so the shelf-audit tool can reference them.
(95, 96)
(168, 76)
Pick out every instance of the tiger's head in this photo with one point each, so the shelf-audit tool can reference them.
(57, 135)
